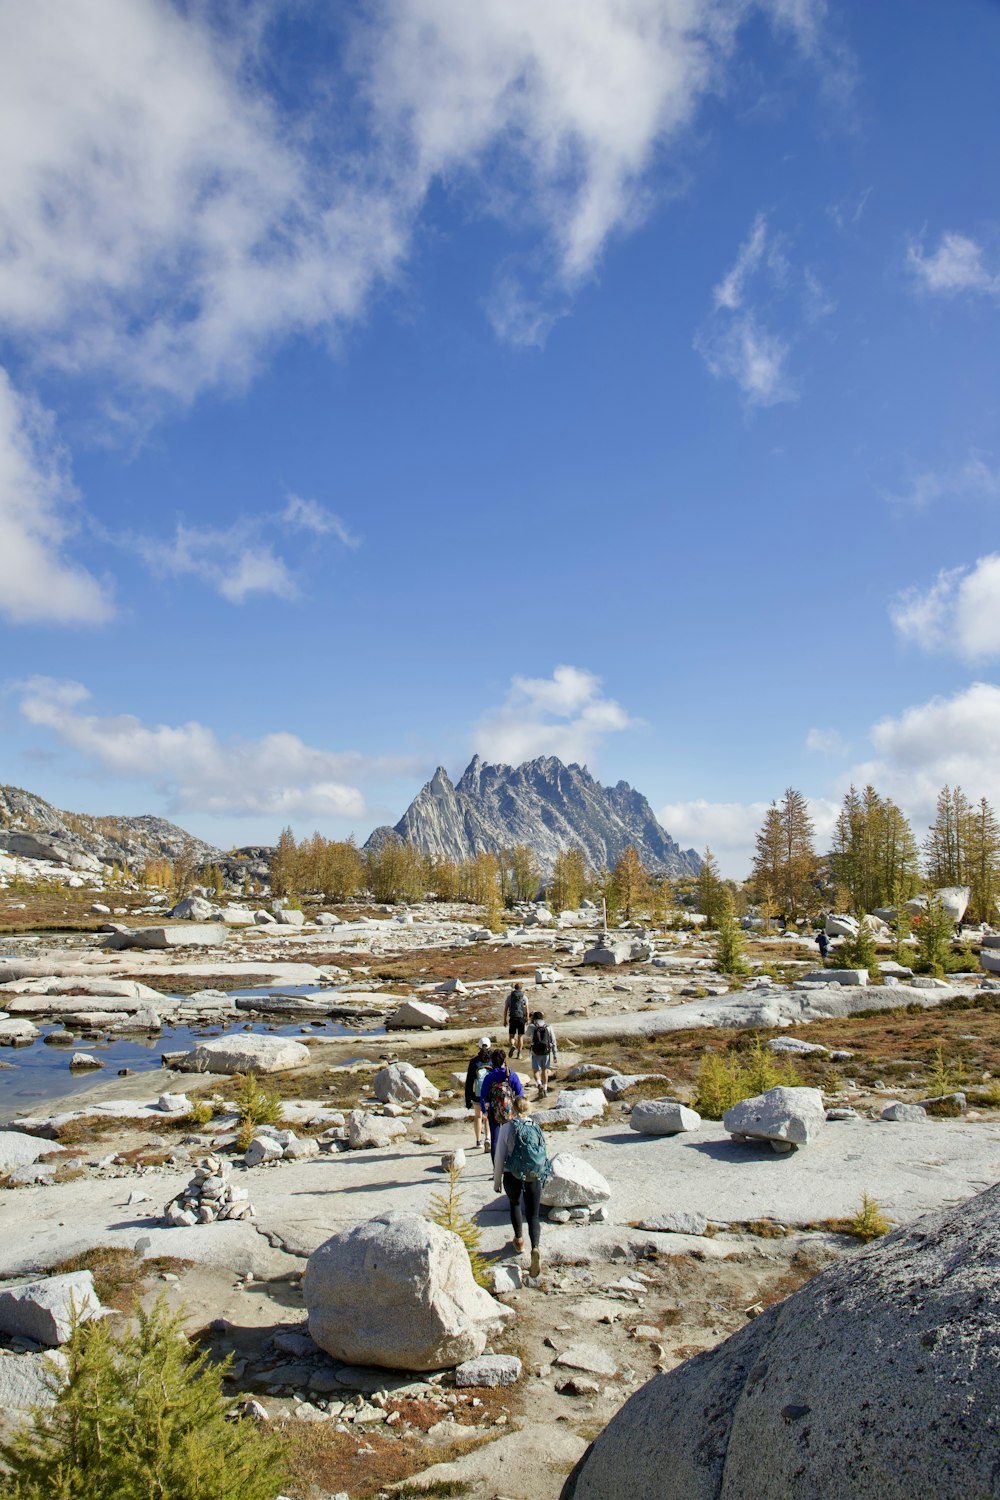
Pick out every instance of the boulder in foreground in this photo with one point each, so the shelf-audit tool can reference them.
(574, 1183)
(44, 1310)
(245, 1054)
(878, 1380)
(787, 1116)
(398, 1292)
(413, 1013)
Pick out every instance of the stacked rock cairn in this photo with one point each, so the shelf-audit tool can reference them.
(209, 1196)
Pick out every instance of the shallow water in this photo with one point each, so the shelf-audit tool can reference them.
(41, 1072)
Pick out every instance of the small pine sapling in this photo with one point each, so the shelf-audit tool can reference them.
(254, 1106)
(446, 1209)
(869, 1222)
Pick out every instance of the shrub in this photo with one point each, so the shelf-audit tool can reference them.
(934, 929)
(200, 1113)
(141, 1414)
(942, 1079)
(725, 1079)
(729, 945)
(857, 952)
(870, 1222)
(446, 1210)
(254, 1106)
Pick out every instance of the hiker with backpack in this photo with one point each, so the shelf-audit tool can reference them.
(498, 1095)
(544, 1051)
(475, 1073)
(515, 1015)
(521, 1164)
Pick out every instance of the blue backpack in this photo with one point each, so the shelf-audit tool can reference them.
(528, 1157)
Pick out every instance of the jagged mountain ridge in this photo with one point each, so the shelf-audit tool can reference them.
(34, 829)
(542, 803)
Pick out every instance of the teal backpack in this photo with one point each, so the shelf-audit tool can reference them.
(528, 1157)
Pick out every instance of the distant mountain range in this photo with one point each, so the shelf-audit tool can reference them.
(34, 829)
(544, 804)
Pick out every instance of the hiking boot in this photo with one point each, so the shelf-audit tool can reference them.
(535, 1269)
(519, 1247)
(486, 1147)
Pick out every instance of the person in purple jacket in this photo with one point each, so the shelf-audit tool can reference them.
(499, 1073)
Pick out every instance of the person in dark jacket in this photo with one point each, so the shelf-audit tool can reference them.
(475, 1073)
(823, 944)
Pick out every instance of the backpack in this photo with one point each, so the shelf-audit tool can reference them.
(500, 1104)
(518, 1007)
(528, 1157)
(541, 1040)
(481, 1072)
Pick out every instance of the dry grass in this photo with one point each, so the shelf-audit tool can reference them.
(55, 909)
(120, 1276)
(363, 1462)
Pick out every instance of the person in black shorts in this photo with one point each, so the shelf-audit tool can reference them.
(515, 1014)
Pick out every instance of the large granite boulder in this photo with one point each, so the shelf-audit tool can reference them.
(398, 1292)
(191, 935)
(402, 1083)
(791, 1117)
(587, 1103)
(194, 909)
(955, 900)
(414, 1013)
(367, 1132)
(245, 1054)
(878, 1380)
(609, 954)
(663, 1117)
(19, 1150)
(44, 1310)
(574, 1183)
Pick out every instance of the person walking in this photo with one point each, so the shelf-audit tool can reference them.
(521, 1164)
(499, 1093)
(515, 1016)
(544, 1051)
(477, 1070)
(822, 943)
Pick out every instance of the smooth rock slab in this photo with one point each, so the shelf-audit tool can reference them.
(398, 1291)
(590, 1358)
(679, 1223)
(17, 1150)
(191, 935)
(835, 976)
(14, 1031)
(29, 1380)
(793, 1116)
(489, 1370)
(43, 1310)
(663, 1117)
(574, 1183)
(245, 1054)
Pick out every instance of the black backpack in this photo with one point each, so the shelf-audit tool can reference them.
(541, 1039)
(518, 1006)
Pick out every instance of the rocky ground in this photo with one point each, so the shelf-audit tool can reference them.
(87, 1179)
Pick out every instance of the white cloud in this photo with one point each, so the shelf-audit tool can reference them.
(38, 583)
(565, 715)
(973, 479)
(945, 741)
(276, 776)
(736, 341)
(309, 515)
(233, 562)
(826, 742)
(959, 613)
(730, 829)
(957, 265)
(167, 215)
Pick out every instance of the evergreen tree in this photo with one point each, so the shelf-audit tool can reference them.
(630, 883)
(946, 845)
(709, 889)
(982, 862)
(785, 860)
(568, 882)
(141, 1415)
(525, 877)
(874, 852)
(284, 865)
(730, 948)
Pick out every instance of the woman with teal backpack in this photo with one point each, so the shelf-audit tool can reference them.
(521, 1164)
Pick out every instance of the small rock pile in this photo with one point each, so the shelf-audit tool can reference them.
(209, 1196)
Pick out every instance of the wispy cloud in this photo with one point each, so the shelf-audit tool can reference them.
(957, 265)
(276, 776)
(959, 613)
(38, 582)
(975, 478)
(309, 515)
(565, 715)
(827, 742)
(730, 829)
(738, 341)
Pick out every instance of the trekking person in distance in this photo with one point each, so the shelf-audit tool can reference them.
(822, 943)
(544, 1051)
(501, 1088)
(475, 1073)
(521, 1164)
(515, 1015)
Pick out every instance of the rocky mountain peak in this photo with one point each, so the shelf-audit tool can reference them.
(543, 803)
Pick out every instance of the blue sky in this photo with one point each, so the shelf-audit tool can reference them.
(616, 380)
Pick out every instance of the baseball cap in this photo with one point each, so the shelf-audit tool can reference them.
(484, 1041)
